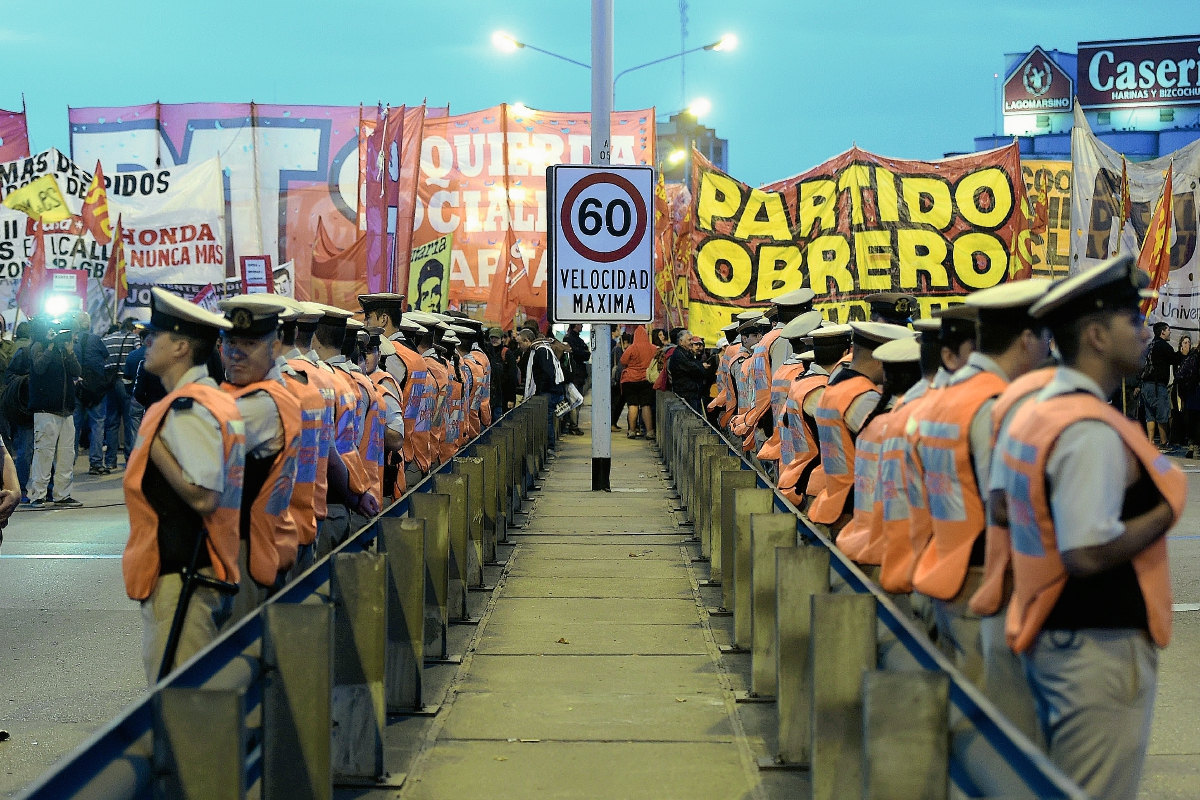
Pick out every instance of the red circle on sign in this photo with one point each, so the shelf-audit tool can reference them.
(569, 203)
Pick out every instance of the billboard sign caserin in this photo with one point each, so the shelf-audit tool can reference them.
(601, 243)
(1140, 72)
(1038, 85)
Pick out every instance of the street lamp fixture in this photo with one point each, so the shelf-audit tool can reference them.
(505, 42)
(699, 107)
(676, 158)
(727, 42)
(510, 44)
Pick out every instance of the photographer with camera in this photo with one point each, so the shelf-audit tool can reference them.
(52, 379)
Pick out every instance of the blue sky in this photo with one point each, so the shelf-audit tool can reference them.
(905, 79)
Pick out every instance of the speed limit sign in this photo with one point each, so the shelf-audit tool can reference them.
(601, 253)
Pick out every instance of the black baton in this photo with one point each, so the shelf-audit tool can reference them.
(191, 579)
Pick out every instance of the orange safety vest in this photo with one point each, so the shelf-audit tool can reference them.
(346, 432)
(271, 536)
(1038, 572)
(320, 379)
(758, 368)
(781, 382)
(941, 445)
(856, 538)
(417, 400)
(837, 446)
(455, 414)
(308, 459)
(140, 562)
(743, 392)
(799, 448)
(992, 593)
(440, 379)
(387, 385)
(370, 437)
(483, 388)
(896, 556)
(725, 394)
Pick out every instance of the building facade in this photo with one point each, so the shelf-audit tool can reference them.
(1140, 96)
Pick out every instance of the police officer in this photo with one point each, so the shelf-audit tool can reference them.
(800, 475)
(753, 327)
(349, 490)
(788, 338)
(479, 361)
(183, 486)
(407, 368)
(848, 398)
(316, 432)
(876, 495)
(459, 393)
(1089, 502)
(950, 439)
(894, 308)
(725, 403)
(391, 394)
(439, 378)
(271, 415)
(768, 356)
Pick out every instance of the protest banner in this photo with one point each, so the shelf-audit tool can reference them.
(483, 179)
(1100, 227)
(1049, 183)
(287, 167)
(855, 225)
(173, 228)
(429, 275)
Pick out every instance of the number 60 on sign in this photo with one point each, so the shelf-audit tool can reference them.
(601, 248)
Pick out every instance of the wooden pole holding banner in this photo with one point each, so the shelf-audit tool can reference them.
(602, 103)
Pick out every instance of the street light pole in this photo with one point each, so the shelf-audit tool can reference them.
(602, 103)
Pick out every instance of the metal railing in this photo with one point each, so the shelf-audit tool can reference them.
(988, 755)
(127, 756)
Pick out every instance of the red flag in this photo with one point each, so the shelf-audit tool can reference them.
(1155, 257)
(114, 276)
(95, 209)
(33, 277)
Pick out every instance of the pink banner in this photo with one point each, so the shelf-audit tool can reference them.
(14, 136)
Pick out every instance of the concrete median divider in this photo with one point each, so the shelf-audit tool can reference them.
(731, 481)
(402, 542)
(472, 471)
(455, 488)
(435, 510)
(864, 699)
(199, 740)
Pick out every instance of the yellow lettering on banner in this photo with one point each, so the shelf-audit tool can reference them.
(928, 201)
(818, 202)
(829, 257)
(885, 191)
(719, 199)
(873, 255)
(985, 198)
(855, 177)
(779, 270)
(921, 250)
(995, 260)
(764, 216)
(724, 268)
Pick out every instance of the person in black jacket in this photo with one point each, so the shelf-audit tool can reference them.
(504, 369)
(1156, 376)
(581, 356)
(95, 382)
(52, 379)
(689, 378)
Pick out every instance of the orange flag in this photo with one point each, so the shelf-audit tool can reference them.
(1155, 257)
(33, 277)
(114, 276)
(95, 209)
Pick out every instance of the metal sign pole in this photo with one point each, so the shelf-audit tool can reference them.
(602, 102)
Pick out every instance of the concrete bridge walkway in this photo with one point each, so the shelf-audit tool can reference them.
(596, 671)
